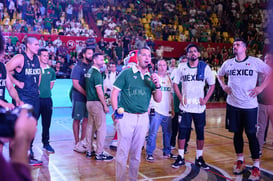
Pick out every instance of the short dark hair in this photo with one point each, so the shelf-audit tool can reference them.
(242, 40)
(183, 57)
(42, 50)
(142, 48)
(95, 55)
(190, 46)
(84, 50)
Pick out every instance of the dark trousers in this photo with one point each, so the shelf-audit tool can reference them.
(46, 113)
(175, 127)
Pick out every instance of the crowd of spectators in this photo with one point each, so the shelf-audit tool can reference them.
(62, 17)
(134, 24)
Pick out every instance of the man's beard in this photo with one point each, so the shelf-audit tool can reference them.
(88, 60)
(193, 58)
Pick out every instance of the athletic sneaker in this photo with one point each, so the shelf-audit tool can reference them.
(90, 154)
(239, 167)
(48, 148)
(113, 145)
(79, 148)
(172, 156)
(178, 162)
(34, 162)
(201, 163)
(150, 158)
(104, 157)
(255, 174)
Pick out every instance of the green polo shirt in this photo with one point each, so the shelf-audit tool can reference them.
(93, 80)
(48, 75)
(135, 90)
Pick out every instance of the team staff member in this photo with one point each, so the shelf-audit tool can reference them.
(135, 87)
(24, 71)
(242, 105)
(48, 77)
(193, 75)
(79, 111)
(162, 115)
(97, 108)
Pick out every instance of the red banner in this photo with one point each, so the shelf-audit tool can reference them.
(172, 49)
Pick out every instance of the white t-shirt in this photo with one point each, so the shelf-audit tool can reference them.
(109, 80)
(242, 77)
(165, 106)
(192, 89)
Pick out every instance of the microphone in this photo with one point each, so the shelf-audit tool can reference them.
(150, 68)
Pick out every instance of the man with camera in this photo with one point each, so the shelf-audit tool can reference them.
(24, 131)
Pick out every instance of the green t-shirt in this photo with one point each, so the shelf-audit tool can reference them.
(135, 90)
(48, 75)
(93, 79)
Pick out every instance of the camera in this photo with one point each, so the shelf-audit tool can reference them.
(9, 117)
(152, 111)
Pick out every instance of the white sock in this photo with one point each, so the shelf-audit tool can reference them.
(256, 164)
(240, 158)
(199, 153)
(181, 152)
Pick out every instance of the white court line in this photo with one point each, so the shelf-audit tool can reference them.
(223, 172)
(52, 165)
(185, 173)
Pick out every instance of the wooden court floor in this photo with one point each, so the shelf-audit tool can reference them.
(68, 165)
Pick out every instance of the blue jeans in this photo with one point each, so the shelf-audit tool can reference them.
(166, 124)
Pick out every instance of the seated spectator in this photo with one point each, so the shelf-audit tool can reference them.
(51, 49)
(79, 47)
(58, 42)
(63, 52)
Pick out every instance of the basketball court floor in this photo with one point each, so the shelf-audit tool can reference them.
(68, 165)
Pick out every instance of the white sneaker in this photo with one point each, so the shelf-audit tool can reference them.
(84, 143)
(79, 148)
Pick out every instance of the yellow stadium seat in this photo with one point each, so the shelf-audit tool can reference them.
(225, 35)
(231, 39)
(147, 26)
(144, 20)
(180, 28)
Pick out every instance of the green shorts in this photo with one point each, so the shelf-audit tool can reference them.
(79, 110)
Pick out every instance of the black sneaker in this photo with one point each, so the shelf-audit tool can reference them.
(104, 157)
(35, 162)
(90, 154)
(201, 163)
(150, 158)
(178, 162)
(48, 148)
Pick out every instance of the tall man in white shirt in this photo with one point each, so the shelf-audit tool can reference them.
(242, 104)
(193, 75)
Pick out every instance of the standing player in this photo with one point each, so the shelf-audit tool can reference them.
(193, 76)
(97, 108)
(242, 105)
(79, 110)
(48, 78)
(162, 115)
(24, 71)
(135, 87)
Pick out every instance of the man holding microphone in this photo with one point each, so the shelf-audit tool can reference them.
(135, 86)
